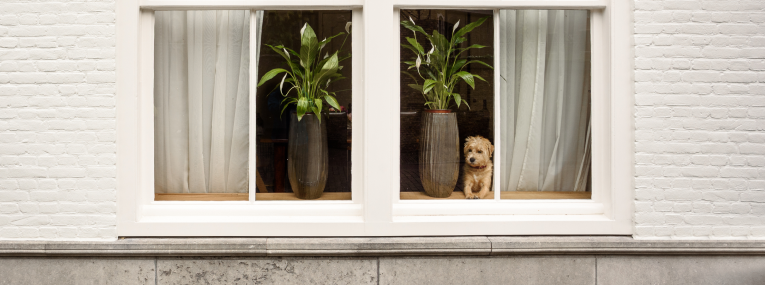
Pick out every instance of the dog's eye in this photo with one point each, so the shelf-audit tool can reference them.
(470, 150)
(480, 151)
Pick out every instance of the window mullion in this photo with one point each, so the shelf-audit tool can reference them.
(497, 107)
(378, 115)
(146, 106)
(253, 80)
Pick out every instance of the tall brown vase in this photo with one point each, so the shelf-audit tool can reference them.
(439, 153)
(307, 162)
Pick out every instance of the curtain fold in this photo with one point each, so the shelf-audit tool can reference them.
(201, 99)
(544, 100)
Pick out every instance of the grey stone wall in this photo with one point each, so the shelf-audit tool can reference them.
(524, 269)
(411, 260)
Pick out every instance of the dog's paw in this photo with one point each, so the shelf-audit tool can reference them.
(470, 196)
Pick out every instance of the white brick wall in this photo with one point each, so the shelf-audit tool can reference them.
(57, 120)
(700, 119)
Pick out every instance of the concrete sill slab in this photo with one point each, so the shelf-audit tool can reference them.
(380, 246)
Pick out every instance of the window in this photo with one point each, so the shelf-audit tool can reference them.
(544, 103)
(367, 179)
(202, 106)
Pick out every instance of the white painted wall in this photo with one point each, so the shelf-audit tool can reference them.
(700, 119)
(57, 120)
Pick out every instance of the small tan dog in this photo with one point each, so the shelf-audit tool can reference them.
(478, 167)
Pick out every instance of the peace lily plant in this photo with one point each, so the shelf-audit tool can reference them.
(441, 68)
(310, 74)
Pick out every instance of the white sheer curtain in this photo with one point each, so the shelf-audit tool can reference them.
(201, 101)
(544, 100)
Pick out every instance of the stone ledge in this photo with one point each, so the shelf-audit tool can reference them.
(380, 246)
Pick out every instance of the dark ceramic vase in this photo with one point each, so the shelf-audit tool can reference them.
(307, 162)
(439, 153)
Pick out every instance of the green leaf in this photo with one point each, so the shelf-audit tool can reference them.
(302, 107)
(270, 74)
(317, 102)
(290, 51)
(416, 45)
(280, 51)
(416, 87)
(466, 104)
(467, 77)
(329, 39)
(413, 49)
(307, 35)
(479, 62)
(469, 27)
(414, 28)
(457, 98)
(331, 101)
(432, 76)
(473, 46)
(285, 105)
(309, 47)
(428, 85)
(457, 65)
(317, 110)
(440, 41)
(481, 78)
(343, 58)
(329, 68)
(410, 75)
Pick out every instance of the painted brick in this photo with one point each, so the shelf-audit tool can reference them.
(715, 48)
(55, 57)
(699, 119)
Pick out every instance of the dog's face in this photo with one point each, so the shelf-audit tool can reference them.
(477, 151)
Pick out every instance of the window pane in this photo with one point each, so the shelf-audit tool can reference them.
(545, 104)
(201, 98)
(432, 160)
(304, 158)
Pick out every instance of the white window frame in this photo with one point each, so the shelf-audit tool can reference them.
(375, 208)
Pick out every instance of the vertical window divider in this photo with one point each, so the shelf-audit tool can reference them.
(145, 100)
(497, 165)
(253, 75)
(378, 149)
(357, 97)
(600, 107)
(396, 86)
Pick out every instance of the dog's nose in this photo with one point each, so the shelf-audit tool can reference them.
(472, 159)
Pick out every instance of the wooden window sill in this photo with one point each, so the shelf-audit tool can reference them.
(244, 196)
(510, 195)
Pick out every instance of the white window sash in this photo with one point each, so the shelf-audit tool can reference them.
(375, 209)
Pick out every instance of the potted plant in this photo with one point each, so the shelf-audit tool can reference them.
(307, 80)
(440, 70)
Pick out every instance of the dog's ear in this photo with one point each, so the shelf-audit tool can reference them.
(491, 149)
(467, 144)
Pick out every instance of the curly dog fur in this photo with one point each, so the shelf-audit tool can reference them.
(478, 167)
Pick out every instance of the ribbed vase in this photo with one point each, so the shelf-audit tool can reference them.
(307, 162)
(439, 153)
